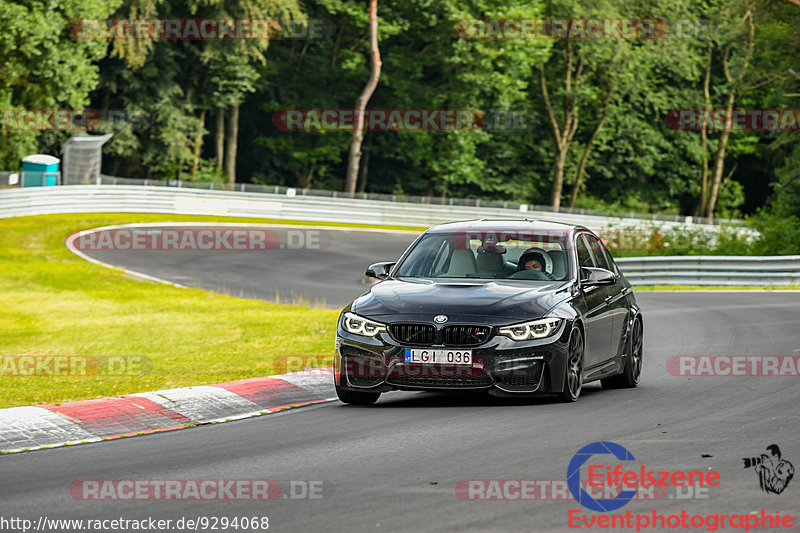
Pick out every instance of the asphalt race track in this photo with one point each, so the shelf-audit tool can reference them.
(395, 466)
(322, 266)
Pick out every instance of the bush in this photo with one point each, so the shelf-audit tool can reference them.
(777, 235)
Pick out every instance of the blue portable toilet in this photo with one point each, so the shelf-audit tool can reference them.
(39, 170)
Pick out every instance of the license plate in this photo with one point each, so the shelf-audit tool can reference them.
(429, 355)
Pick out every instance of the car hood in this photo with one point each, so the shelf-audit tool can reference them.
(495, 302)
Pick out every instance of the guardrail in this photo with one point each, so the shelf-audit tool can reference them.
(431, 200)
(712, 270)
(655, 270)
(172, 200)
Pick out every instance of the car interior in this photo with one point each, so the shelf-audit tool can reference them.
(492, 263)
(438, 257)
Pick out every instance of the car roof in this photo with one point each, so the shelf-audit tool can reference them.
(504, 225)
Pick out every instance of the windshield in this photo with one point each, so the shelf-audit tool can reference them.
(538, 256)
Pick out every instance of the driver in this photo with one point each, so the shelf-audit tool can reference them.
(533, 261)
(533, 264)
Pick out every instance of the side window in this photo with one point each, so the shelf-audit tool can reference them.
(614, 268)
(584, 258)
(598, 252)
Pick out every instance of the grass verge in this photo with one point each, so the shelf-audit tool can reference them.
(149, 336)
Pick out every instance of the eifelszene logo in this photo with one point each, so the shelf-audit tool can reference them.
(574, 476)
(774, 473)
(617, 477)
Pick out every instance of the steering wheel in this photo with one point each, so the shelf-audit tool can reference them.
(531, 274)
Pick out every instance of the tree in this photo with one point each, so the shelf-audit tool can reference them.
(586, 83)
(44, 66)
(212, 75)
(361, 104)
(231, 80)
(743, 58)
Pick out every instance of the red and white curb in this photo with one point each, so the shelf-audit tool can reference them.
(48, 426)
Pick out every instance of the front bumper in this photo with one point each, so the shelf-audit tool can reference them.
(500, 365)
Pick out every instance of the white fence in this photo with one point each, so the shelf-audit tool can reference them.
(394, 198)
(173, 200)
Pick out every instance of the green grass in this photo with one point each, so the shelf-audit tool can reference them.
(55, 303)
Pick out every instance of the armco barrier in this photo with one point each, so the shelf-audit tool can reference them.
(712, 270)
(397, 198)
(173, 200)
(679, 270)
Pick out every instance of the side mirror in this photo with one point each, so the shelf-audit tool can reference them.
(379, 270)
(591, 276)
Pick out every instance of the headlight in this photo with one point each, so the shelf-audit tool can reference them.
(537, 329)
(362, 326)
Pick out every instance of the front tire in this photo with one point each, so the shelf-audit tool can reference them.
(629, 377)
(573, 379)
(357, 398)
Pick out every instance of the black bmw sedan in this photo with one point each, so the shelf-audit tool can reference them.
(509, 307)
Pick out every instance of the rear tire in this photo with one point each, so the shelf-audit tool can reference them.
(357, 398)
(573, 375)
(629, 377)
